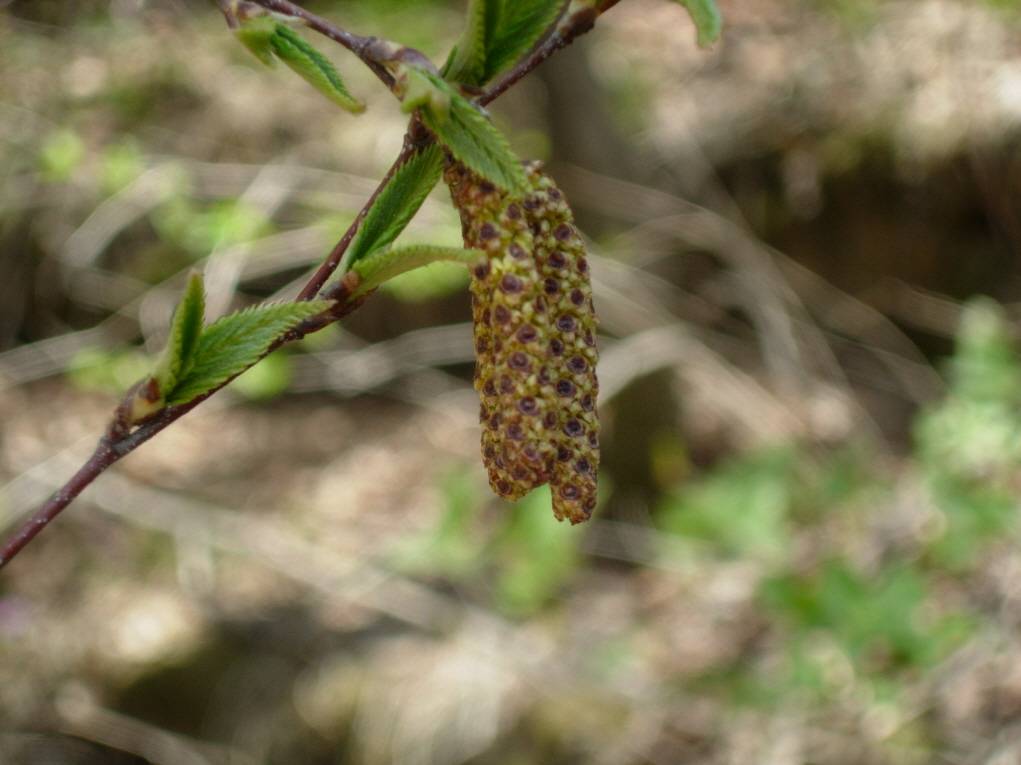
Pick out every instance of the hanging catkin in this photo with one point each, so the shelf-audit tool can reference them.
(534, 341)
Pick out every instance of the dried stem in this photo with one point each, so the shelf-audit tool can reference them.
(118, 442)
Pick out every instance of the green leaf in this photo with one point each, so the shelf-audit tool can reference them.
(185, 329)
(232, 344)
(496, 34)
(313, 67)
(397, 203)
(467, 61)
(255, 35)
(468, 133)
(707, 18)
(518, 27)
(382, 265)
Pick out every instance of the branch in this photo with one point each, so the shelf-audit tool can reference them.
(119, 441)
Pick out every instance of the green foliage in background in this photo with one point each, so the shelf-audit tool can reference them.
(196, 227)
(60, 156)
(742, 509)
(969, 446)
(528, 557)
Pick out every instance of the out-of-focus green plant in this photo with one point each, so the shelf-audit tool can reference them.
(877, 619)
(197, 228)
(857, 626)
(106, 371)
(434, 281)
(121, 163)
(527, 554)
(267, 380)
(536, 555)
(452, 546)
(741, 509)
(969, 445)
(61, 155)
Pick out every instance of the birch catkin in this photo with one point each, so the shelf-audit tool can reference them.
(534, 341)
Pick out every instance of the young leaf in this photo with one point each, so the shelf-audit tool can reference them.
(255, 35)
(230, 345)
(516, 29)
(464, 130)
(496, 34)
(467, 61)
(397, 204)
(477, 143)
(383, 265)
(707, 18)
(313, 67)
(185, 328)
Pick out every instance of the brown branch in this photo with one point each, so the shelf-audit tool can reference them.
(119, 440)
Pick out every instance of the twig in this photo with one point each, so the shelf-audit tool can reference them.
(374, 52)
(119, 441)
(116, 443)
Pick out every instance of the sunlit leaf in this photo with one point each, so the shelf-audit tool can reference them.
(383, 265)
(397, 203)
(255, 35)
(185, 329)
(467, 62)
(518, 27)
(496, 34)
(313, 67)
(466, 131)
(232, 344)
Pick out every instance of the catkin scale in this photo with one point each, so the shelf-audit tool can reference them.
(534, 328)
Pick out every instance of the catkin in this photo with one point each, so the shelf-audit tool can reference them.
(534, 327)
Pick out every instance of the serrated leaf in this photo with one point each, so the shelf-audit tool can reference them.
(185, 329)
(234, 343)
(516, 29)
(478, 144)
(467, 61)
(707, 18)
(397, 203)
(383, 265)
(469, 135)
(496, 34)
(313, 67)
(255, 35)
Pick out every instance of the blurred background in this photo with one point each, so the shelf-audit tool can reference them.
(805, 250)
